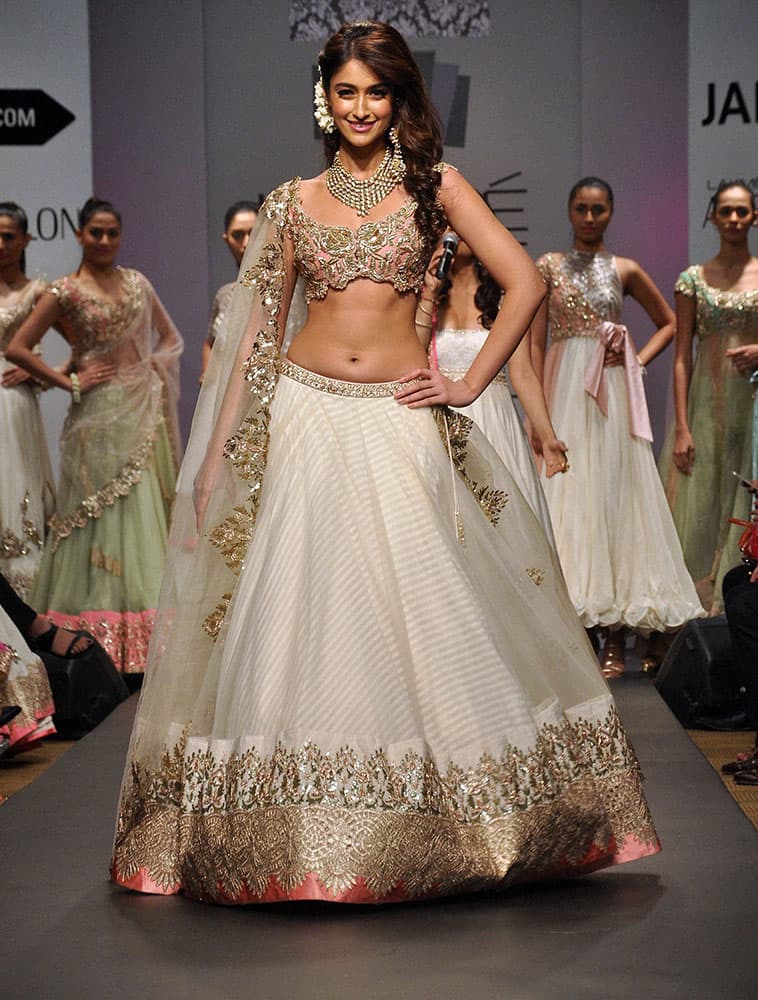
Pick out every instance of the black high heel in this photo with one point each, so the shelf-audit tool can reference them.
(43, 643)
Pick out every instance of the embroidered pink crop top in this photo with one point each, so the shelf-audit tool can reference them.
(388, 249)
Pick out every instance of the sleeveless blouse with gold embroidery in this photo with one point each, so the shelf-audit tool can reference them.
(386, 250)
(93, 325)
(584, 290)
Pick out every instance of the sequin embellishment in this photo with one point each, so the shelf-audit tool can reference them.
(386, 250)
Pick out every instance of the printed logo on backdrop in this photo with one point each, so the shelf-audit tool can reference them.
(33, 118)
(736, 103)
(316, 20)
(722, 97)
(30, 117)
(506, 199)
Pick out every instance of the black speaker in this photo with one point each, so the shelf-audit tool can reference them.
(85, 689)
(698, 679)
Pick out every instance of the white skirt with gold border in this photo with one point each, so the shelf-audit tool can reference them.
(401, 700)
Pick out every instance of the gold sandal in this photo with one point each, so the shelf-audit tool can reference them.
(614, 656)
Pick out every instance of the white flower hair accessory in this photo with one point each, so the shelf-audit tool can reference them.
(321, 112)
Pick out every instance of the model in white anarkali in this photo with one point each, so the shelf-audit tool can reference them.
(616, 538)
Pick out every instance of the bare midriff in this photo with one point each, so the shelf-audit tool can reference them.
(364, 333)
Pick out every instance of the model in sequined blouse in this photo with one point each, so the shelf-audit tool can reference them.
(717, 312)
(26, 479)
(370, 683)
(615, 537)
(119, 447)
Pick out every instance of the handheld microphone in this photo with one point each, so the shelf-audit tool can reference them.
(449, 246)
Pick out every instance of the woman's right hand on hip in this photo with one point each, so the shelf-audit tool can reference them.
(94, 375)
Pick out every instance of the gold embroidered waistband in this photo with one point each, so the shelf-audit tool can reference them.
(458, 373)
(334, 386)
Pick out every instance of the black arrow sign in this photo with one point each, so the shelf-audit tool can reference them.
(30, 117)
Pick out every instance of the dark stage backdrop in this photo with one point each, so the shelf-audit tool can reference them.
(196, 104)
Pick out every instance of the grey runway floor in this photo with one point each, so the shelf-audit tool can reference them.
(680, 924)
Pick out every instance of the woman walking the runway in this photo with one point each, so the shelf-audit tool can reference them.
(26, 485)
(717, 309)
(616, 540)
(337, 705)
(119, 448)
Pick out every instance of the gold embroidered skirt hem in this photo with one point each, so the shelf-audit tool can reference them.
(219, 828)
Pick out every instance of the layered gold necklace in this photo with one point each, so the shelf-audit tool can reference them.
(362, 195)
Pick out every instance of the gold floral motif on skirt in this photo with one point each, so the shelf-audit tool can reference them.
(30, 690)
(218, 828)
(92, 507)
(490, 499)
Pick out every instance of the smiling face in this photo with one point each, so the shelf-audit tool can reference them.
(733, 214)
(361, 105)
(100, 239)
(590, 212)
(12, 243)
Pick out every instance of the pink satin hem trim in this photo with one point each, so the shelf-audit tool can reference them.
(25, 734)
(125, 635)
(311, 889)
(616, 336)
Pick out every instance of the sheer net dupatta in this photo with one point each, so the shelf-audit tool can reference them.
(109, 438)
(223, 467)
(162, 352)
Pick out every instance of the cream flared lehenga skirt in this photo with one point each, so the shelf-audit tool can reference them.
(613, 528)
(402, 701)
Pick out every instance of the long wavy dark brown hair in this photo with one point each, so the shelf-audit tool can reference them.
(384, 51)
(486, 297)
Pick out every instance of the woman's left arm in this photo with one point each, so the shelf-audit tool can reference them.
(511, 267)
(532, 397)
(643, 289)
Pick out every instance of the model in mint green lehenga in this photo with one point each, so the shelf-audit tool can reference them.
(103, 560)
(719, 412)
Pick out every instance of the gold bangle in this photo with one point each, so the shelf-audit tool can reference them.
(426, 311)
(424, 326)
(76, 390)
